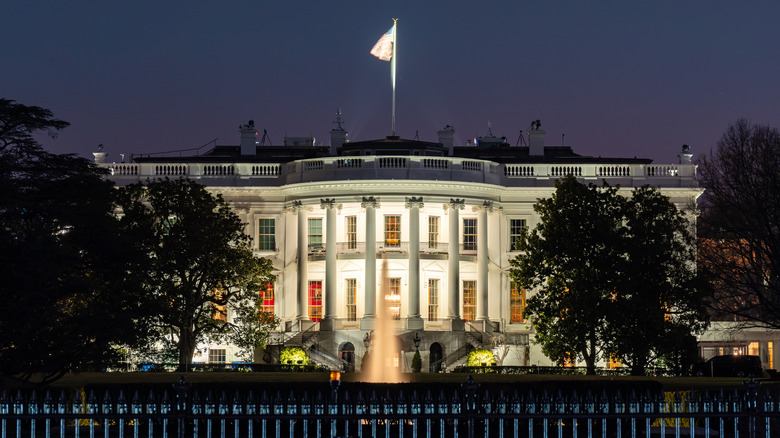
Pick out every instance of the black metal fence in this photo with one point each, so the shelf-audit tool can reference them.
(399, 410)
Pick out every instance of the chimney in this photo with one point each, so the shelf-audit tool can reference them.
(100, 156)
(447, 138)
(536, 139)
(248, 138)
(686, 155)
(338, 135)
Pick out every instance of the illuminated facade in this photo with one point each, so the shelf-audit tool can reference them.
(424, 230)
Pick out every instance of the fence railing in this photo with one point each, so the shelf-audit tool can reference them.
(361, 409)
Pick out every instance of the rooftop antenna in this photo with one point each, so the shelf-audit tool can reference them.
(265, 136)
(521, 137)
(563, 139)
(490, 129)
(417, 135)
(339, 120)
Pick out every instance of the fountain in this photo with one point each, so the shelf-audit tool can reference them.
(383, 363)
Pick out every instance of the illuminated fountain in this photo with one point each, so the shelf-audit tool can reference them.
(384, 360)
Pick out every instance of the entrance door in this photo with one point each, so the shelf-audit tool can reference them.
(435, 358)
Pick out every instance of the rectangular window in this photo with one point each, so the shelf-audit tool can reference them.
(770, 352)
(315, 300)
(469, 234)
(393, 297)
(315, 234)
(266, 234)
(516, 304)
(753, 349)
(217, 355)
(516, 231)
(433, 299)
(351, 229)
(469, 300)
(351, 289)
(392, 230)
(433, 231)
(614, 362)
(267, 299)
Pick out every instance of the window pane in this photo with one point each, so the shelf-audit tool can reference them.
(393, 297)
(351, 287)
(315, 300)
(267, 299)
(469, 300)
(433, 231)
(516, 304)
(266, 234)
(433, 299)
(516, 230)
(392, 230)
(469, 234)
(315, 233)
(351, 230)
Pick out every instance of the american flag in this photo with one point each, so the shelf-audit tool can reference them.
(383, 49)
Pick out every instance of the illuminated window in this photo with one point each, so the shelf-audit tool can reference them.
(393, 297)
(569, 359)
(266, 235)
(770, 347)
(267, 299)
(392, 230)
(351, 230)
(351, 289)
(220, 310)
(433, 299)
(433, 231)
(516, 231)
(217, 355)
(315, 300)
(516, 304)
(753, 349)
(614, 362)
(469, 300)
(469, 234)
(315, 233)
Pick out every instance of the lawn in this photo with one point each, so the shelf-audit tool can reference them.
(669, 383)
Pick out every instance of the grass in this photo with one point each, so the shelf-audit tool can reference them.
(669, 383)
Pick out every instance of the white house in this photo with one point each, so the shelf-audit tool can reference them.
(436, 219)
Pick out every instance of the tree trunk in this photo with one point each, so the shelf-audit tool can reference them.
(186, 346)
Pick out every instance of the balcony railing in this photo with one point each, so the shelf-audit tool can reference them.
(383, 247)
(404, 168)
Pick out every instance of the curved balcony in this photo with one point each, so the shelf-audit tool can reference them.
(403, 168)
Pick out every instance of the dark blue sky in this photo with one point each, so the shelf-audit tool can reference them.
(618, 78)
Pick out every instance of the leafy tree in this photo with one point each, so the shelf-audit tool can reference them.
(570, 259)
(739, 247)
(657, 298)
(614, 276)
(199, 265)
(66, 301)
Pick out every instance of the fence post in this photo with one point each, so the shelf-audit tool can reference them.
(182, 389)
(751, 396)
(471, 403)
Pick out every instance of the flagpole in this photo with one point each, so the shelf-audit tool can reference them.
(392, 69)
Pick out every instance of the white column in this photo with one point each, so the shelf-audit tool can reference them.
(414, 321)
(453, 269)
(482, 261)
(303, 259)
(369, 283)
(329, 313)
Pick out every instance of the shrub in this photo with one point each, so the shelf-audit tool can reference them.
(293, 356)
(481, 358)
(416, 362)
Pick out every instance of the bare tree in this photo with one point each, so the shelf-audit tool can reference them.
(739, 243)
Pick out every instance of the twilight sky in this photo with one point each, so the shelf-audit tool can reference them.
(619, 78)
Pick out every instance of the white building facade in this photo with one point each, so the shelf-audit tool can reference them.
(421, 230)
